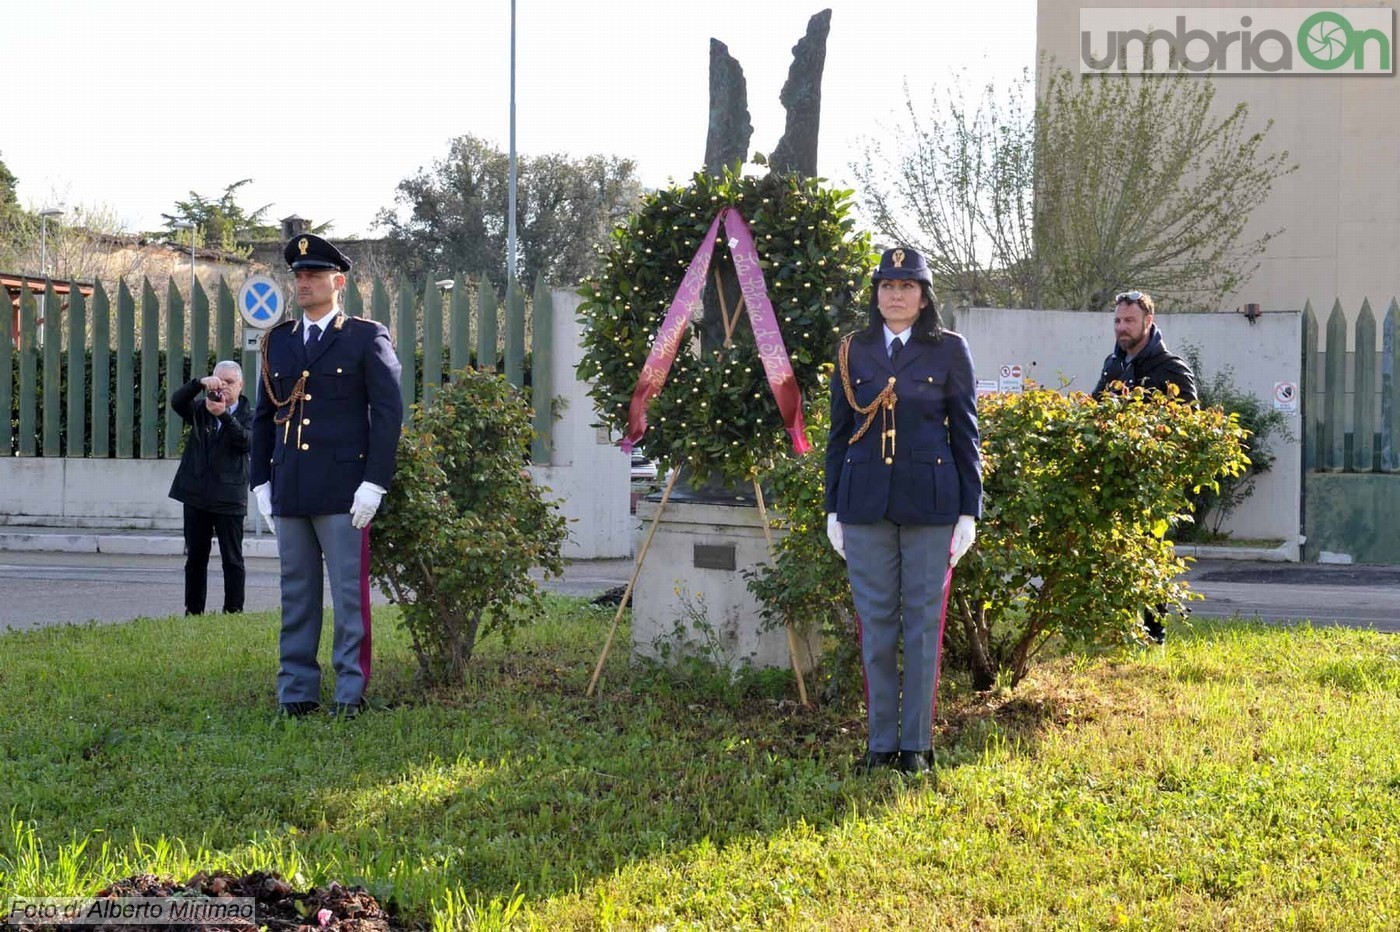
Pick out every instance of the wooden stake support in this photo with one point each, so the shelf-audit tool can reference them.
(791, 634)
(636, 571)
(730, 321)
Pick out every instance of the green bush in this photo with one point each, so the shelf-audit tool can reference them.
(464, 523)
(1079, 496)
(1212, 505)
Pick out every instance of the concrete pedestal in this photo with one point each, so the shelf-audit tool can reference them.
(692, 598)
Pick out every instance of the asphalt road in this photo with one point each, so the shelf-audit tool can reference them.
(41, 588)
(1356, 596)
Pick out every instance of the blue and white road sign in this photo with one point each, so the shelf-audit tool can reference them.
(260, 301)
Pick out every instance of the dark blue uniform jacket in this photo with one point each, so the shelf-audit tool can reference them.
(341, 430)
(936, 473)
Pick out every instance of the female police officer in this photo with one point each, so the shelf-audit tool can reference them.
(903, 492)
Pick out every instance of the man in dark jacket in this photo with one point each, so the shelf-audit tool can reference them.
(212, 481)
(1141, 359)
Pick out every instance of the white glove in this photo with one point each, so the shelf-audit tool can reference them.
(836, 535)
(263, 494)
(367, 498)
(964, 533)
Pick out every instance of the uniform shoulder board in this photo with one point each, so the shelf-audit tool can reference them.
(954, 333)
(262, 342)
(267, 334)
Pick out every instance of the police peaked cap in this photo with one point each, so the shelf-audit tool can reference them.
(902, 262)
(309, 251)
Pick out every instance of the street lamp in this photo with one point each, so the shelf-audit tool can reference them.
(187, 225)
(44, 216)
(510, 219)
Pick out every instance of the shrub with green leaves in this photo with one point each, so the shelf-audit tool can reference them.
(463, 524)
(716, 414)
(1213, 504)
(1079, 495)
(806, 584)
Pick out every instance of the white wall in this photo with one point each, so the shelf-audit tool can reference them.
(1067, 349)
(72, 492)
(589, 475)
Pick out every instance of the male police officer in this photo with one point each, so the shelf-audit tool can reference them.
(325, 435)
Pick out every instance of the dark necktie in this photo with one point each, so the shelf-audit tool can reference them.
(313, 336)
(895, 346)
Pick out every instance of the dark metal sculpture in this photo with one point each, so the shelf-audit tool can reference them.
(726, 145)
(802, 97)
(730, 129)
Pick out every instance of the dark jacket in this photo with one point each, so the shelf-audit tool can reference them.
(1153, 369)
(213, 472)
(936, 473)
(339, 410)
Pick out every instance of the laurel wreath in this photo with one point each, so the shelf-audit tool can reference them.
(716, 415)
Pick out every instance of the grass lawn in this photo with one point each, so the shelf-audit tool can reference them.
(1244, 777)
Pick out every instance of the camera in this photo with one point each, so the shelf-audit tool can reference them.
(214, 395)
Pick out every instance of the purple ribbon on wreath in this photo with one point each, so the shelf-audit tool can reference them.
(767, 337)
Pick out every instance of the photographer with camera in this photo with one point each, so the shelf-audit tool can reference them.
(212, 480)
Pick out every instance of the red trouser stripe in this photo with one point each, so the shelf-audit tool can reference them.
(860, 648)
(942, 624)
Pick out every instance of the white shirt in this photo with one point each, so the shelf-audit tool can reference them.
(325, 323)
(890, 335)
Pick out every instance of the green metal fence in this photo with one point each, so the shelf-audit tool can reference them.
(1351, 399)
(94, 380)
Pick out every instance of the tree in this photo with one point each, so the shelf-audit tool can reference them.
(220, 224)
(15, 222)
(457, 213)
(956, 183)
(1108, 183)
(86, 243)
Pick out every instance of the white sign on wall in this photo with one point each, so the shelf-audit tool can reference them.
(1286, 397)
(1012, 379)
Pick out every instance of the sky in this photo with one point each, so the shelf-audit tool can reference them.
(131, 106)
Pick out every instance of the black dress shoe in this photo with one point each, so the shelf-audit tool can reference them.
(913, 762)
(878, 760)
(298, 709)
(348, 709)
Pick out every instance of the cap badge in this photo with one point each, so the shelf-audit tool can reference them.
(303, 245)
(897, 257)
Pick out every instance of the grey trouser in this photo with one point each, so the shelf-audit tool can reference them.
(301, 544)
(899, 581)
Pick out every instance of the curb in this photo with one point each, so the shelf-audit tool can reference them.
(1284, 553)
(69, 541)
